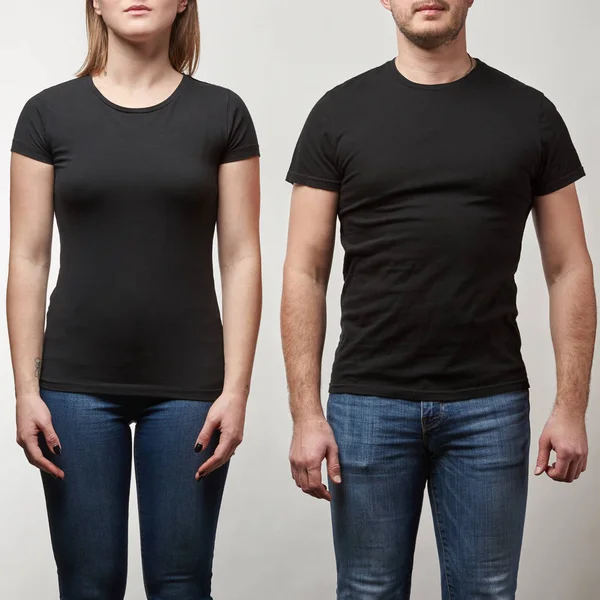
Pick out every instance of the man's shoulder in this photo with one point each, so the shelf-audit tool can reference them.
(509, 84)
(357, 84)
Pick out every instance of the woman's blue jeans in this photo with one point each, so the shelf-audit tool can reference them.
(88, 510)
(471, 455)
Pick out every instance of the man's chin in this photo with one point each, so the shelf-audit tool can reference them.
(427, 40)
(430, 37)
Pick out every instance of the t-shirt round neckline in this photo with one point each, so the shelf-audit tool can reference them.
(143, 109)
(479, 64)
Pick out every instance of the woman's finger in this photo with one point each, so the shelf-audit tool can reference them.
(50, 435)
(204, 437)
(37, 459)
(222, 454)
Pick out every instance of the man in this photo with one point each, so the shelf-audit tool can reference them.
(433, 162)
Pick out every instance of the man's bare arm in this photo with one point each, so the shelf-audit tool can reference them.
(569, 275)
(311, 239)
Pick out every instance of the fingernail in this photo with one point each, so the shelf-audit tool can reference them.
(57, 449)
(337, 479)
(538, 470)
(198, 448)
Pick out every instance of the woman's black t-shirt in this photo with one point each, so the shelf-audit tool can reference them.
(134, 310)
(435, 185)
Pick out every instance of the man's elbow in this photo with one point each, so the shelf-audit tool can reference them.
(314, 273)
(577, 267)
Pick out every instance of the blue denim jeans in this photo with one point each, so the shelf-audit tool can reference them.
(473, 458)
(88, 510)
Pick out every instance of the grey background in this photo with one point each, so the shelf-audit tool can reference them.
(274, 543)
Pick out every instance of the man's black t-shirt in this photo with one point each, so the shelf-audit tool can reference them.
(435, 185)
(134, 310)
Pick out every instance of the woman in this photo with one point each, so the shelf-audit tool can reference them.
(139, 161)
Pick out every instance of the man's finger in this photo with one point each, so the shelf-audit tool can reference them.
(303, 480)
(559, 470)
(315, 484)
(571, 472)
(333, 465)
(545, 447)
(298, 479)
(306, 488)
(295, 475)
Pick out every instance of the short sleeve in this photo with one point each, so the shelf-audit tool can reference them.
(242, 142)
(30, 137)
(559, 164)
(314, 160)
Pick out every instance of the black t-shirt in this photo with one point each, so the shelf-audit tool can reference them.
(435, 185)
(134, 310)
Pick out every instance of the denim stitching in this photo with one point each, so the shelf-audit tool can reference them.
(443, 541)
(423, 428)
(432, 422)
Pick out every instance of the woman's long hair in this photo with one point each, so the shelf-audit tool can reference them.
(184, 46)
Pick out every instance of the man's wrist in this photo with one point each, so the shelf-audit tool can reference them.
(569, 409)
(307, 415)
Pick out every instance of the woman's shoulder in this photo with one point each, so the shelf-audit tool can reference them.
(213, 91)
(58, 94)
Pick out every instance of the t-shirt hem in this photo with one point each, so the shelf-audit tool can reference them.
(241, 154)
(315, 182)
(562, 182)
(429, 395)
(26, 150)
(120, 389)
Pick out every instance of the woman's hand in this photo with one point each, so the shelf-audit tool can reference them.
(33, 418)
(227, 414)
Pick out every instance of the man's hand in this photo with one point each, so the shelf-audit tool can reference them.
(313, 442)
(227, 414)
(566, 435)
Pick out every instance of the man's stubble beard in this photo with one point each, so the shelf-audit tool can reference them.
(430, 40)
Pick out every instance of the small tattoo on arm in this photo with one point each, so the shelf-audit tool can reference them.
(38, 366)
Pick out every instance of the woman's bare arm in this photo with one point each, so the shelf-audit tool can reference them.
(240, 263)
(31, 219)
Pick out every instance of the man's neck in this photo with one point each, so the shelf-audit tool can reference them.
(430, 67)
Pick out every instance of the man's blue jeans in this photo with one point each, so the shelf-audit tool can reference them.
(88, 511)
(472, 455)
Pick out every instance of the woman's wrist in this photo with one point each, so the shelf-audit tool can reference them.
(27, 390)
(238, 393)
